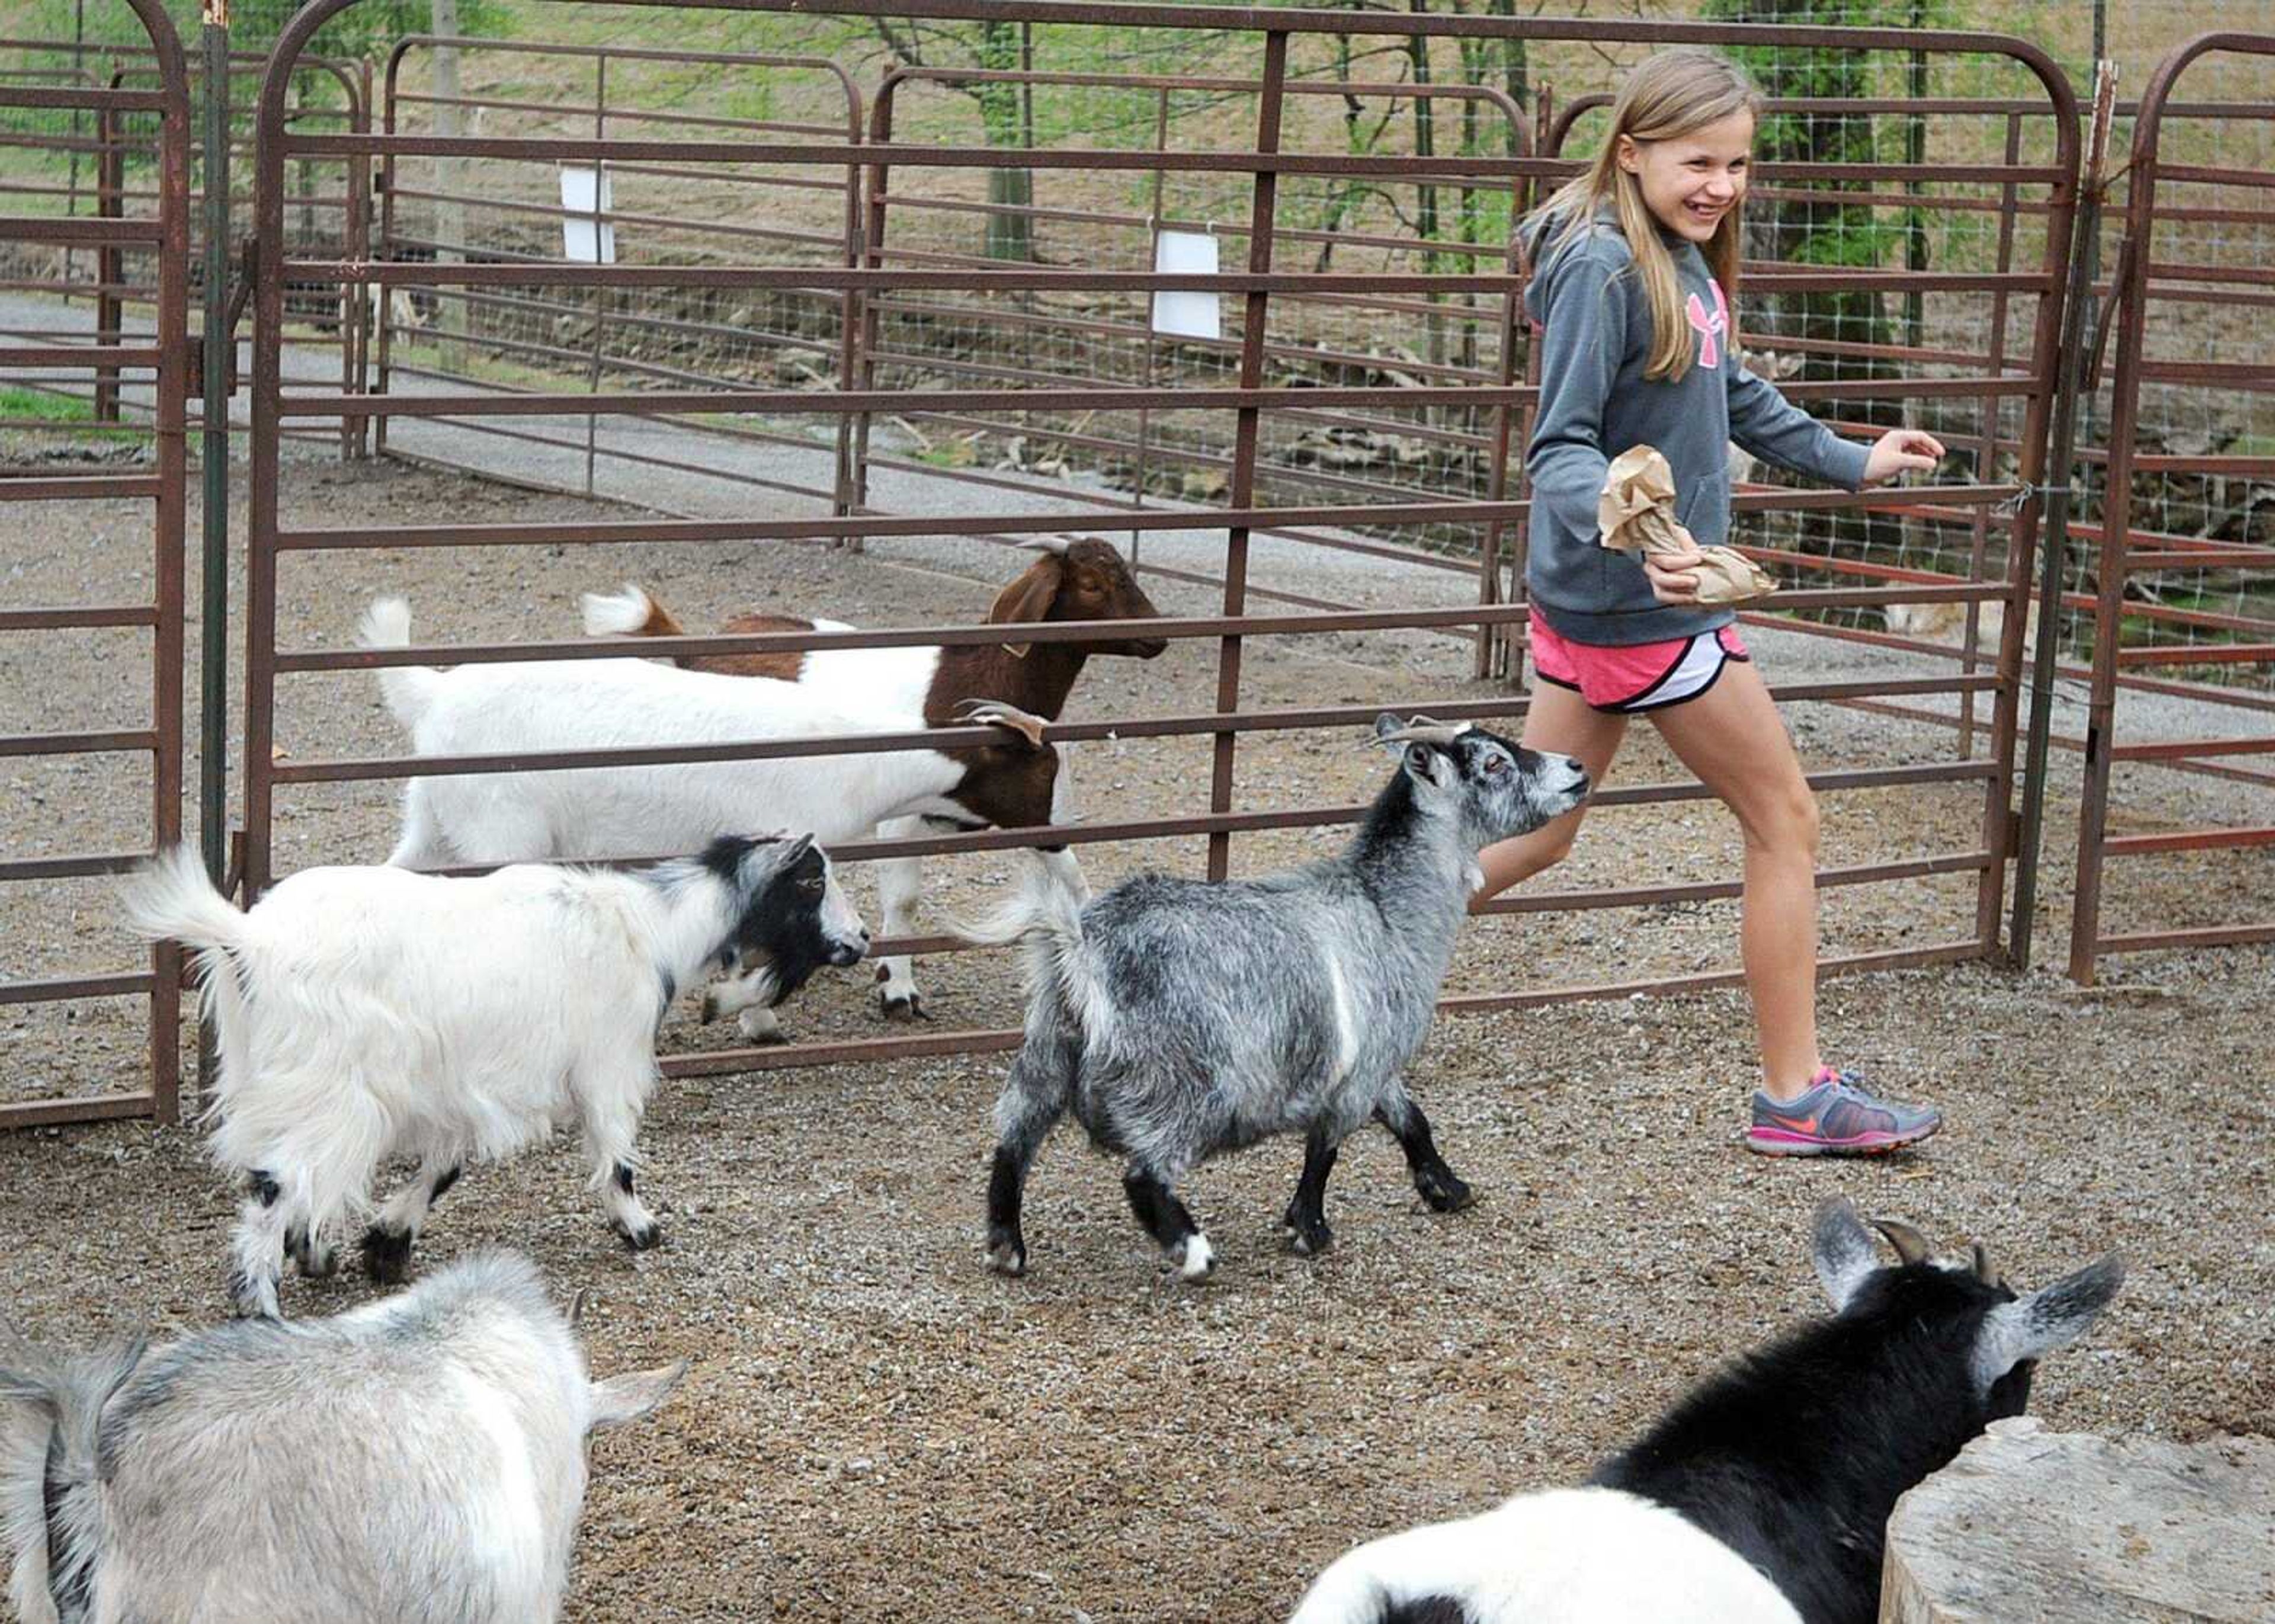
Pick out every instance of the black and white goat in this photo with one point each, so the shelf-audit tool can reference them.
(636, 810)
(1763, 1496)
(363, 1013)
(1177, 1019)
(1085, 579)
(420, 1457)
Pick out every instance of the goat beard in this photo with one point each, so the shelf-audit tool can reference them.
(1636, 514)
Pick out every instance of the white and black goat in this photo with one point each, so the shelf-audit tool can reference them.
(1763, 1497)
(362, 1012)
(420, 1457)
(639, 810)
(1177, 1019)
(1085, 579)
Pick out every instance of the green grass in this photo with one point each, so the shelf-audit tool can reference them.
(22, 405)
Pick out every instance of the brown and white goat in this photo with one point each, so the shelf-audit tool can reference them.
(1085, 579)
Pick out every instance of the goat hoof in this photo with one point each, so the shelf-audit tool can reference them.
(1443, 1192)
(1195, 1257)
(386, 1255)
(1310, 1240)
(317, 1264)
(1007, 1255)
(909, 1009)
(647, 1237)
(251, 1299)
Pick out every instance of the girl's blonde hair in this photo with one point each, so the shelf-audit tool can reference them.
(1671, 94)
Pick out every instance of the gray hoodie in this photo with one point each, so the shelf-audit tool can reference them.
(1596, 403)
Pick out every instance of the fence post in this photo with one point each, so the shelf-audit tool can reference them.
(2054, 541)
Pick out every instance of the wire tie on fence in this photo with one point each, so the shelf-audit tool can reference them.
(2012, 506)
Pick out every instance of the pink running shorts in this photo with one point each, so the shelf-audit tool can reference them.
(1638, 676)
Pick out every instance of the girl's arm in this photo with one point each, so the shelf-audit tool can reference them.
(1770, 426)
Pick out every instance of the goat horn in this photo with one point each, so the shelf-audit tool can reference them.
(1984, 1272)
(577, 1306)
(1423, 730)
(1047, 544)
(1910, 1244)
(994, 712)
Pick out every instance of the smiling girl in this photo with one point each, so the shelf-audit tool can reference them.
(1634, 295)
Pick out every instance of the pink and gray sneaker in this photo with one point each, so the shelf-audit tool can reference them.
(1835, 1116)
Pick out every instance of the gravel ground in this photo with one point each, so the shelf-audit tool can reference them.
(875, 1428)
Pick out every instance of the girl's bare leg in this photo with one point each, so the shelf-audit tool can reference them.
(1733, 738)
(1560, 722)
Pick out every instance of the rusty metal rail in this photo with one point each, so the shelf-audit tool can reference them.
(2156, 594)
(1246, 403)
(164, 234)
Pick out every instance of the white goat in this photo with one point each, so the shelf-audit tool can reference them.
(420, 1457)
(624, 811)
(367, 1012)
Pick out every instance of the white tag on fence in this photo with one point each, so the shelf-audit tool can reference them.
(1186, 314)
(577, 223)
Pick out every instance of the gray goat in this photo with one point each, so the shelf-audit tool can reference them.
(420, 1457)
(1177, 1019)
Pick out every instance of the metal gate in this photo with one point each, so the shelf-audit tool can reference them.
(139, 126)
(2183, 612)
(1250, 405)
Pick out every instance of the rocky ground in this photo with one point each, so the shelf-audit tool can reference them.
(875, 1428)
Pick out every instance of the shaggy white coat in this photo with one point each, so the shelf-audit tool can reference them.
(1562, 1556)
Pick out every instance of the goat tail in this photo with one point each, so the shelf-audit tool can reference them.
(631, 613)
(169, 899)
(1045, 917)
(50, 1416)
(409, 690)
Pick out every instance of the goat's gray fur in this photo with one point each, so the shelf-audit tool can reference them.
(421, 1457)
(1177, 1019)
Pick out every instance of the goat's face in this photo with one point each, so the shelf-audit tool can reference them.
(1963, 1309)
(1087, 579)
(1011, 785)
(794, 917)
(1498, 789)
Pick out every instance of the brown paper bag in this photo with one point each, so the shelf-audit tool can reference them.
(1636, 514)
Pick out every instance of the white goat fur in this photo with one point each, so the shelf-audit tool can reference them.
(630, 812)
(1561, 1556)
(368, 1012)
(897, 680)
(421, 1456)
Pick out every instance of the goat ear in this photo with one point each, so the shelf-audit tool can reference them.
(1429, 766)
(1843, 1252)
(1028, 599)
(627, 1398)
(2033, 1327)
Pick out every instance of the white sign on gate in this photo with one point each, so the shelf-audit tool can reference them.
(577, 187)
(1186, 314)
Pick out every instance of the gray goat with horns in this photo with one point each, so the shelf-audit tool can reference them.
(1177, 1019)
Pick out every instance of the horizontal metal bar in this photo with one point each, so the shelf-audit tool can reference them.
(63, 228)
(76, 867)
(91, 487)
(77, 355)
(1720, 890)
(74, 618)
(97, 1108)
(77, 744)
(1905, 958)
(89, 99)
(1110, 398)
(60, 989)
(2176, 749)
(2198, 654)
(443, 273)
(2185, 840)
(2203, 936)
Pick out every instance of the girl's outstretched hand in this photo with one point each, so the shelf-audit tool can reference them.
(1900, 450)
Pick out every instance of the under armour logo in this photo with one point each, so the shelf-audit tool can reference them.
(1709, 328)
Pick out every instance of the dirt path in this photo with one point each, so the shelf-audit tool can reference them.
(876, 1429)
